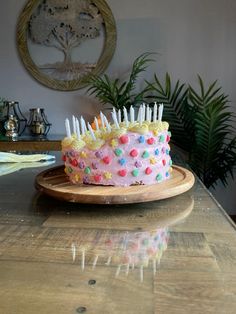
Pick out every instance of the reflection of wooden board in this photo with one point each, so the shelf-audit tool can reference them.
(54, 182)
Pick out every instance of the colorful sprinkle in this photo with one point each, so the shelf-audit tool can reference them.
(156, 151)
(167, 151)
(162, 139)
(77, 178)
(151, 140)
(97, 178)
(167, 138)
(83, 154)
(87, 170)
(99, 154)
(122, 172)
(138, 164)
(63, 158)
(159, 177)
(70, 170)
(114, 143)
(94, 165)
(163, 150)
(152, 161)
(167, 174)
(164, 162)
(141, 139)
(81, 164)
(148, 170)
(85, 179)
(170, 162)
(124, 139)
(122, 161)
(145, 241)
(133, 153)
(107, 160)
(118, 152)
(155, 132)
(145, 154)
(135, 172)
(107, 175)
(74, 162)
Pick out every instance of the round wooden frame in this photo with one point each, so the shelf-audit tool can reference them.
(103, 61)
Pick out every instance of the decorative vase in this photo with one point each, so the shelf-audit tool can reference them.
(38, 123)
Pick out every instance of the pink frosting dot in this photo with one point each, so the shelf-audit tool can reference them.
(133, 153)
(107, 160)
(122, 172)
(124, 139)
(97, 178)
(148, 170)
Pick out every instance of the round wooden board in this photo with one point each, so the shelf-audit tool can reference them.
(55, 183)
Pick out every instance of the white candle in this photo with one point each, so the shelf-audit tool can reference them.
(126, 117)
(77, 128)
(83, 125)
(150, 115)
(96, 123)
(67, 125)
(160, 112)
(107, 124)
(143, 112)
(131, 113)
(102, 119)
(74, 125)
(115, 120)
(155, 112)
(140, 115)
(119, 116)
(147, 113)
(91, 132)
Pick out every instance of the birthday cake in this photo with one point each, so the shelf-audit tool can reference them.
(125, 153)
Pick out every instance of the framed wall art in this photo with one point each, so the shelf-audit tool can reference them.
(61, 42)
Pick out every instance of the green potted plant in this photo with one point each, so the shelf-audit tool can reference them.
(201, 124)
(2, 115)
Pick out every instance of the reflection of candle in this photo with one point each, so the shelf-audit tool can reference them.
(95, 261)
(67, 125)
(91, 132)
(160, 112)
(155, 112)
(73, 249)
(83, 260)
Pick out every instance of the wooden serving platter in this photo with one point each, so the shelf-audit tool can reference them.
(55, 183)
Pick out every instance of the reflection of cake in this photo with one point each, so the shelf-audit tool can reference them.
(126, 153)
(124, 250)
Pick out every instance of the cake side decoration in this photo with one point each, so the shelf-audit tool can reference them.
(134, 151)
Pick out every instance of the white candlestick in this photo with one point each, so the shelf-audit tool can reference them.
(119, 116)
(96, 123)
(160, 112)
(115, 120)
(77, 128)
(107, 124)
(83, 125)
(143, 112)
(155, 112)
(91, 132)
(102, 119)
(67, 125)
(131, 113)
(126, 117)
(73, 124)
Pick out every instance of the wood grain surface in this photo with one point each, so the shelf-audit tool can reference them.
(38, 273)
(54, 182)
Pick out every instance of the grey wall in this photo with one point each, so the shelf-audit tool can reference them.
(192, 37)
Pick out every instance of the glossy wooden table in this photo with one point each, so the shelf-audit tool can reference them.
(58, 257)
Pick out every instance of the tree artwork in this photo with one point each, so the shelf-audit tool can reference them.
(64, 25)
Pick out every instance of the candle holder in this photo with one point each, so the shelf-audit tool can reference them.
(38, 122)
(13, 112)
